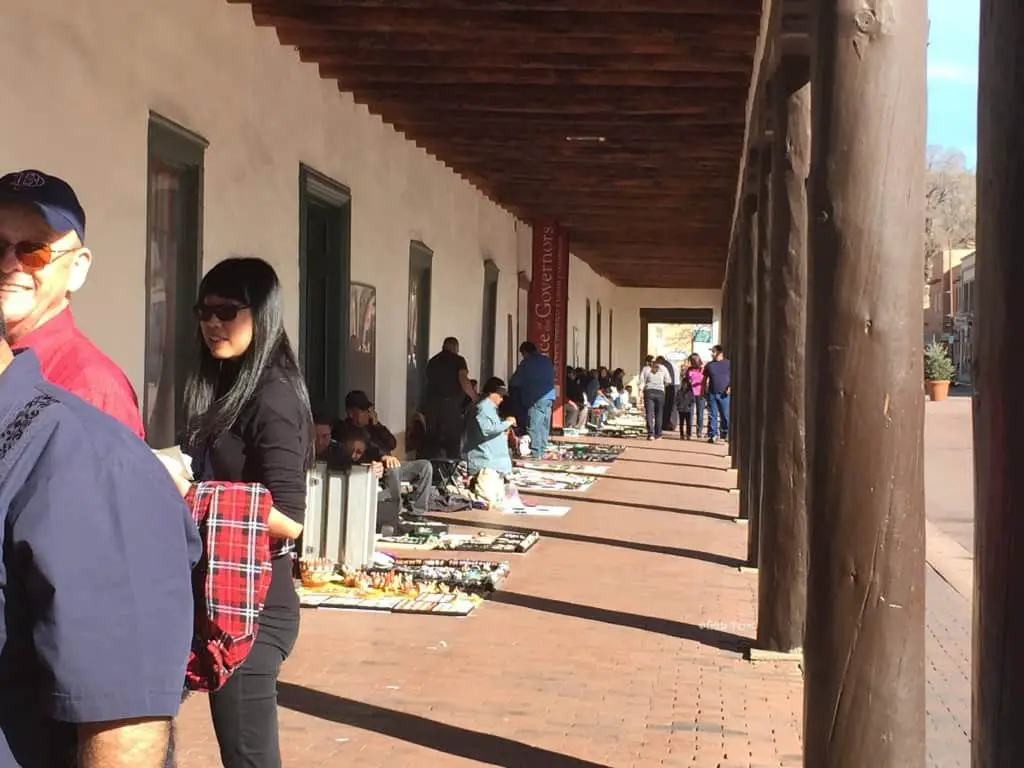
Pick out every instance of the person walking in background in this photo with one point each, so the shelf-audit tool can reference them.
(684, 406)
(668, 414)
(653, 381)
(693, 379)
(533, 388)
(718, 385)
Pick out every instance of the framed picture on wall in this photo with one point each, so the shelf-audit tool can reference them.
(362, 340)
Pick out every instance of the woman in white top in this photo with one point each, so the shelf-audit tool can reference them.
(653, 380)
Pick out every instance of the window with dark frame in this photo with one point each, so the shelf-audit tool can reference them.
(599, 334)
(611, 325)
(173, 266)
(489, 324)
(331, 361)
(586, 339)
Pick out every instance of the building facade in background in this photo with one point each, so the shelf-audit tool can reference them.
(963, 319)
(940, 298)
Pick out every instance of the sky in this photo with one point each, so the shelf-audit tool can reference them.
(953, 75)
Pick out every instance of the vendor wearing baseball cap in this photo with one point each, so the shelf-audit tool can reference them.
(380, 446)
(485, 442)
(43, 260)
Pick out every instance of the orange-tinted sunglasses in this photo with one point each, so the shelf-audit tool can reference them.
(34, 255)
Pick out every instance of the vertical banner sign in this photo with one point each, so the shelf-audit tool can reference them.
(549, 298)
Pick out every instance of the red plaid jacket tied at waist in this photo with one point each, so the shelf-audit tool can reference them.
(231, 580)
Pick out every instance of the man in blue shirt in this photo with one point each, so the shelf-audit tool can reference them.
(533, 387)
(718, 386)
(95, 583)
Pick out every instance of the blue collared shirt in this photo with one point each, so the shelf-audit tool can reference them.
(98, 548)
(534, 379)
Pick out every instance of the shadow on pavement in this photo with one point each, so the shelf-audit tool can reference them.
(584, 496)
(675, 464)
(638, 546)
(432, 734)
(725, 641)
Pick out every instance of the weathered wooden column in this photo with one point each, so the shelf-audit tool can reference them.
(727, 327)
(864, 641)
(737, 351)
(746, 348)
(757, 367)
(782, 568)
(998, 671)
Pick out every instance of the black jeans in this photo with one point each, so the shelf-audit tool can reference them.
(654, 410)
(244, 710)
(443, 439)
(669, 408)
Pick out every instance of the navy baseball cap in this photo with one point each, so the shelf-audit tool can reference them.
(54, 198)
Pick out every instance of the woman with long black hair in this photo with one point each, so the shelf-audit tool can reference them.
(248, 420)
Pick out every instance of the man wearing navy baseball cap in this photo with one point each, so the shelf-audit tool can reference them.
(43, 260)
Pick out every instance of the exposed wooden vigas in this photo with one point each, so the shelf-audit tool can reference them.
(624, 121)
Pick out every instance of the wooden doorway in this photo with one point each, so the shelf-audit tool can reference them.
(325, 215)
(421, 260)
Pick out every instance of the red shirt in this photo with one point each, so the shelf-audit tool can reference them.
(69, 360)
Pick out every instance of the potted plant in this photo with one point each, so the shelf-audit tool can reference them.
(938, 371)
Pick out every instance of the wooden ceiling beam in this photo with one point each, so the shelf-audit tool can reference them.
(399, 44)
(709, 60)
(561, 125)
(546, 101)
(486, 23)
(679, 7)
(699, 141)
(354, 77)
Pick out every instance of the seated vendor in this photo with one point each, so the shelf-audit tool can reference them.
(379, 446)
(485, 443)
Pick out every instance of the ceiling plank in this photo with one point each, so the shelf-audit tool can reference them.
(335, 54)
(296, 33)
(488, 23)
(353, 77)
(682, 7)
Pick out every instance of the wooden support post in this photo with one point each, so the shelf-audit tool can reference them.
(758, 364)
(746, 347)
(782, 569)
(734, 313)
(998, 670)
(864, 642)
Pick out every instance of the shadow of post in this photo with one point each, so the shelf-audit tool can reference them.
(432, 734)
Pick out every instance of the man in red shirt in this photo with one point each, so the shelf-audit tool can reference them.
(43, 260)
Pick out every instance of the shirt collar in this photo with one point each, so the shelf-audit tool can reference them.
(22, 375)
(54, 332)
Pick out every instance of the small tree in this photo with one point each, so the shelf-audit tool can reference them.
(937, 365)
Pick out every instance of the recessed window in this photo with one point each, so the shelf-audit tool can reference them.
(173, 265)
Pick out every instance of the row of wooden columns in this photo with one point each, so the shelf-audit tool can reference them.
(823, 321)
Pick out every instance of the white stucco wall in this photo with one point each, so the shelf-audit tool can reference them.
(629, 301)
(79, 80)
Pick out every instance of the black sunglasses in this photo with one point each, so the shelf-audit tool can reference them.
(223, 312)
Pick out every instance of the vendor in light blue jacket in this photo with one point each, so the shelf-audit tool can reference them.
(485, 441)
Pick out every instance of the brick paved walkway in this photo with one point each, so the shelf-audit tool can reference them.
(616, 642)
(948, 649)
